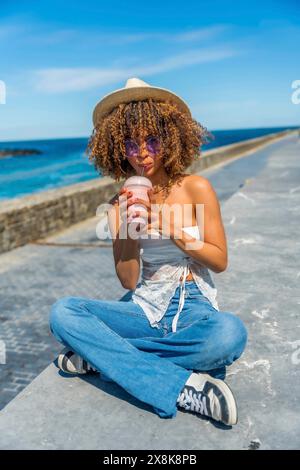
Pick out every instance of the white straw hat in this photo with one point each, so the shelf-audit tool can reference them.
(136, 90)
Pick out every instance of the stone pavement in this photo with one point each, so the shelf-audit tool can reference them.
(260, 198)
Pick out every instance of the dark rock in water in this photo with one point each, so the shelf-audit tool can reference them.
(18, 152)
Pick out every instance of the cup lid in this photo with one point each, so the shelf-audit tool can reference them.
(139, 181)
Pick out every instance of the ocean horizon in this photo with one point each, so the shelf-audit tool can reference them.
(63, 161)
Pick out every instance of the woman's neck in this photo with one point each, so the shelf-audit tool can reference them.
(159, 178)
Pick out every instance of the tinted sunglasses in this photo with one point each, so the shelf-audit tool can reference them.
(132, 148)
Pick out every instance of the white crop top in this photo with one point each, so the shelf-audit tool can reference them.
(163, 265)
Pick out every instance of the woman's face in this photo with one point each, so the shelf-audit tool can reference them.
(145, 158)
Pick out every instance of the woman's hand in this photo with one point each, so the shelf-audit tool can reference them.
(146, 214)
(127, 214)
(124, 201)
(154, 219)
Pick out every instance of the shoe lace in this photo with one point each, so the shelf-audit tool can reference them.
(86, 365)
(193, 401)
(89, 367)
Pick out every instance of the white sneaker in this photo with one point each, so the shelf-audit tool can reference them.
(210, 397)
(72, 363)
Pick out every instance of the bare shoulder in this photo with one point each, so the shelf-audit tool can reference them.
(195, 180)
(198, 186)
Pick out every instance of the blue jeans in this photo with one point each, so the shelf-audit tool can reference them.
(152, 364)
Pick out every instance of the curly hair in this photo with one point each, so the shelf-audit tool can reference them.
(182, 137)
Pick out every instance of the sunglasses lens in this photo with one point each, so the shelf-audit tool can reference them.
(131, 148)
(153, 145)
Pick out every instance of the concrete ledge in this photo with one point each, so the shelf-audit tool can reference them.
(26, 219)
(57, 411)
(29, 218)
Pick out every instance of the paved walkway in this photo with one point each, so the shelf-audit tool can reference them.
(260, 197)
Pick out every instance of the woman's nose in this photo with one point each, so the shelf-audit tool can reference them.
(143, 152)
(143, 147)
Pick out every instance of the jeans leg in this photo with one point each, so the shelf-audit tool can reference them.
(206, 342)
(101, 331)
(218, 373)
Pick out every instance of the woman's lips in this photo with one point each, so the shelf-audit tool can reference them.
(146, 167)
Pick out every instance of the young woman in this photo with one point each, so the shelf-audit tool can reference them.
(165, 342)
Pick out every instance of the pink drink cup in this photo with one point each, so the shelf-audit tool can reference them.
(139, 186)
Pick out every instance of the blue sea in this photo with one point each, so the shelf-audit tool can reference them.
(64, 162)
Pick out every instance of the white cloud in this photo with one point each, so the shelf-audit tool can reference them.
(187, 36)
(58, 80)
(200, 34)
(29, 31)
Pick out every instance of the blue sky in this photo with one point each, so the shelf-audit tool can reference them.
(232, 62)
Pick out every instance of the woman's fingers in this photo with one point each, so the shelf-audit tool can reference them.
(152, 219)
(124, 195)
(122, 191)
(125, 192)
(149, 214)
(143, 202)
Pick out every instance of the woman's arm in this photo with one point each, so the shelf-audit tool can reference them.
(126, 251)
(213, 252)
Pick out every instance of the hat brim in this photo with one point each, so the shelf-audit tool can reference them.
(125, 95)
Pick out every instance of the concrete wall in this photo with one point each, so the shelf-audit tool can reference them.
(29, 218)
